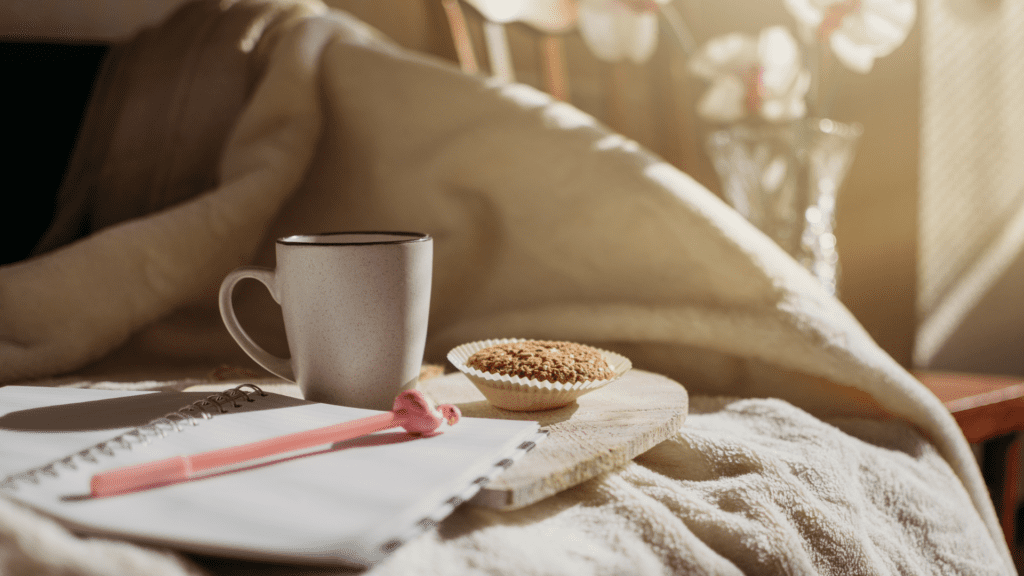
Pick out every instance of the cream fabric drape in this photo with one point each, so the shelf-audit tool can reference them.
(93, 21)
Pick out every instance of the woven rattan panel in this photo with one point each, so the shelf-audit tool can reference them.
(972, 159)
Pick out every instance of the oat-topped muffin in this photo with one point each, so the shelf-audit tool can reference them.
(546, 360)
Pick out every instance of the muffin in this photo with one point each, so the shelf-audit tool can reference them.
(526, 375)
(544, 360)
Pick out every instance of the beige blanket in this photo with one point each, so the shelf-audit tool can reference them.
(266, 118)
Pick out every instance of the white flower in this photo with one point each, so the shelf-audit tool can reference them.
(500, 11)
(546, 15)
(750, 75)
(857, 31)
(618, 29)
(551, 16)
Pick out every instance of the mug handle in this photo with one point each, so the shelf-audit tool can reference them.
(279, 366)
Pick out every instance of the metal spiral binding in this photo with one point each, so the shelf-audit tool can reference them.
(171, 422)
(429, 522)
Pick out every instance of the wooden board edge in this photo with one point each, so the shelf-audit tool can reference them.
(514, 498)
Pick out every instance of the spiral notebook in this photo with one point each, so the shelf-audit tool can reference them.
(346, 504)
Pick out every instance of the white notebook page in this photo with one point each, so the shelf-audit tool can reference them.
(344, 504)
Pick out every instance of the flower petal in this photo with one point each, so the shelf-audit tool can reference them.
(551, 16)
(500, 11)
(730, 53)
(640, 33)
(784, 108)
(613, 31)
(599, 30)
(871, 29)
(856, 57)
(900, 12)
(779, 55)
(724, 100)
(885, 34)
(805, 12)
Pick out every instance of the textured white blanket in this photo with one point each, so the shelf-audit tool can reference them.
(545, 225)
(747, 486)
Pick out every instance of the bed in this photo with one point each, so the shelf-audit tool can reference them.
(807, 449)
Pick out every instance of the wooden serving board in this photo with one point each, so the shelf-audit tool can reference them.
(601, 431)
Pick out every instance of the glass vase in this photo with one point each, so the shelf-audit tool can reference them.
(785, 179)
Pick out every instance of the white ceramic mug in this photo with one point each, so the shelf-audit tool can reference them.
(355, 307)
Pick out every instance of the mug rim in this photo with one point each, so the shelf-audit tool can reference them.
(294, 239)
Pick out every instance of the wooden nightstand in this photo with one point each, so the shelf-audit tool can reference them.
(990, 411)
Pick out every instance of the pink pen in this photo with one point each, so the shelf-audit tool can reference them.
(412, 411)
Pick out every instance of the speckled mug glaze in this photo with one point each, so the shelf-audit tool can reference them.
(355, 307)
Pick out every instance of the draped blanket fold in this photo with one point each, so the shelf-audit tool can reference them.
(808, 450)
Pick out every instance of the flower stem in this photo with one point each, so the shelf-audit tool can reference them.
(813, 58)
(827, 85)
(679, 29)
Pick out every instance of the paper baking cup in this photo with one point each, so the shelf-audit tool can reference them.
(526, 394)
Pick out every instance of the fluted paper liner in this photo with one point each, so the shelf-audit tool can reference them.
(527, 394)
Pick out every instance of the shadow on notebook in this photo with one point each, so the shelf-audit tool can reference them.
(130, 411)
